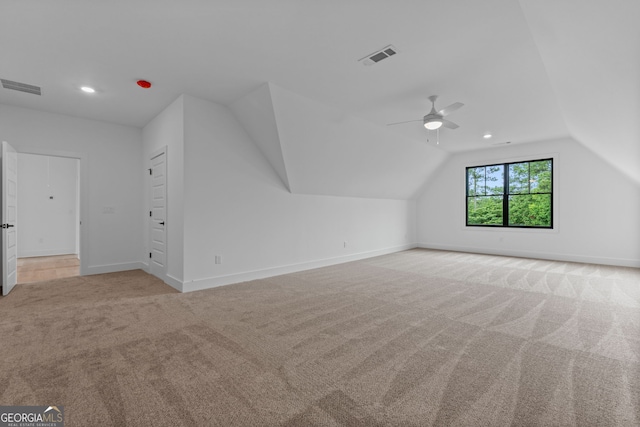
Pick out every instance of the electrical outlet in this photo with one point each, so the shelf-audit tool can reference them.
(218, 259)
(345, 244)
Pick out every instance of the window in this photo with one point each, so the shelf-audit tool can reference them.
(511, 194)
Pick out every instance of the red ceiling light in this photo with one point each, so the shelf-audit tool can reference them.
(144, 84)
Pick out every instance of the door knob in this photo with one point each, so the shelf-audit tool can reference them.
(162, 223)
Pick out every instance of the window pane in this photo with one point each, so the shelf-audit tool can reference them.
(541, 176)
(475, 181)
(484, 210)
(526, 200)
(519, 178)
(530, 210)
(495, 179)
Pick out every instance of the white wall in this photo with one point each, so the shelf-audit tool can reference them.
(236, 206)
(596, 209)
(110, 175)
(167, 130)
(47, 205)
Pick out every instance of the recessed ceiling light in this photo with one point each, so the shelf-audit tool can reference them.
(87, 89)
(487, 136)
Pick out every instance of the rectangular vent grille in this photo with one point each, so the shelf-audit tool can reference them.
(21, 87)
(379, 55)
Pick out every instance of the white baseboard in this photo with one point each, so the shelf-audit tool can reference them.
(145, 267)
(47, 252)
(621, 262)
(112, 268)
(212, 282)
(174, 283)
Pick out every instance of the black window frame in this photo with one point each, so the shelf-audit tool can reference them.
(506, 194)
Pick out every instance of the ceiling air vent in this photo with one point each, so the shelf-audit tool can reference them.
(379, 55)
(21, 87)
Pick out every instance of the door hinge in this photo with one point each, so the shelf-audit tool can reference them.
(149, 213)
(149, 254)
(150, 171)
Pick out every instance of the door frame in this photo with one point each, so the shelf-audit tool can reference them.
(83, 195)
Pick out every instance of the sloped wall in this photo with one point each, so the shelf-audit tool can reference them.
(318, 149)
(594, 74)
(255, 113)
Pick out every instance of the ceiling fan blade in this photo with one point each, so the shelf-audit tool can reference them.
(446, 123)
(450, 109)
(401, 123)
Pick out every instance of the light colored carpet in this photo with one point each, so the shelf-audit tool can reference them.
(416, 338)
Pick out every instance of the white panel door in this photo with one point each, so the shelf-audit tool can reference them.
(158, 215)
(9, 217)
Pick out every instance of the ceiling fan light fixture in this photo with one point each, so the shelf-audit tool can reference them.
(436, 119)
(432, 124)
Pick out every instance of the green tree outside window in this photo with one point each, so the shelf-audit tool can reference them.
(511, 194)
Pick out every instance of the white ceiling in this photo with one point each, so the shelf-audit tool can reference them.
(526, 70)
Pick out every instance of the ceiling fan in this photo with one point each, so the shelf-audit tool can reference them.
(435, 119)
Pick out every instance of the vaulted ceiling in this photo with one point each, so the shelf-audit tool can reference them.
(527, 71)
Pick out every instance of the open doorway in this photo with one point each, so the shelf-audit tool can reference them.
(48, 216)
